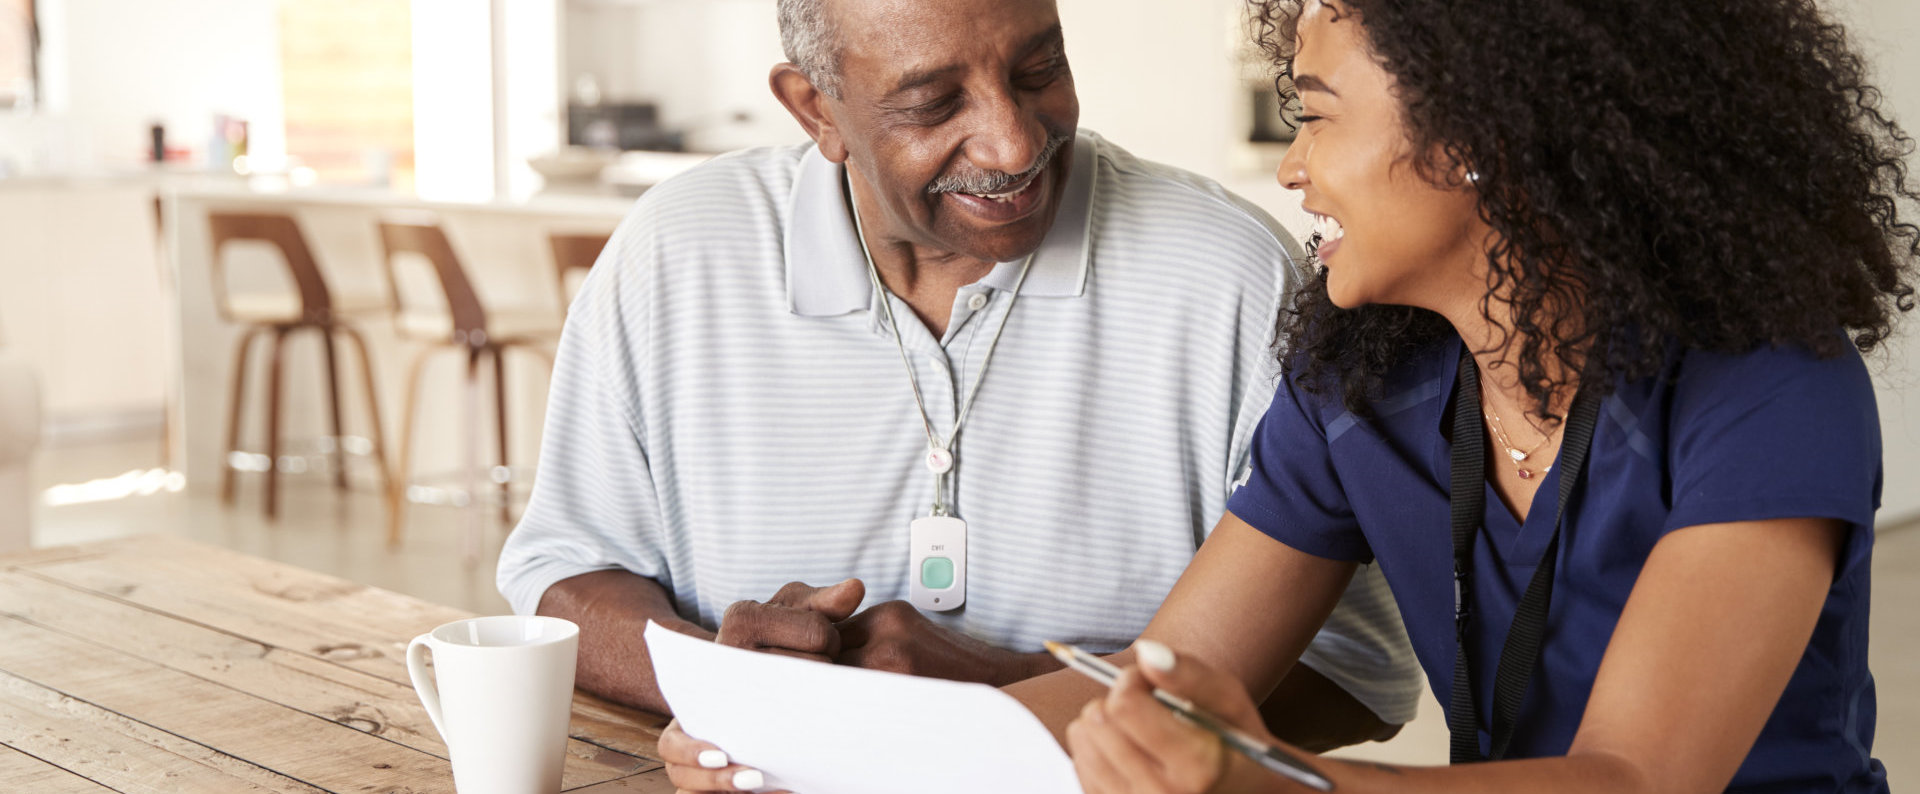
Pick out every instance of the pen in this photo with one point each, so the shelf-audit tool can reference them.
(1262, 753)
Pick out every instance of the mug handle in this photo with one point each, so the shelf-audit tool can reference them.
(423, 684)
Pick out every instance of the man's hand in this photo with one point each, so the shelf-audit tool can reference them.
(798, 621)
(895, 637)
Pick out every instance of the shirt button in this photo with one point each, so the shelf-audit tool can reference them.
(937, 363)
(978, 301)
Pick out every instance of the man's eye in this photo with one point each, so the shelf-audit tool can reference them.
(937, 110)
(1044, 75)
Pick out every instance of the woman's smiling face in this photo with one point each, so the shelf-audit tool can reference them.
(1388, 234)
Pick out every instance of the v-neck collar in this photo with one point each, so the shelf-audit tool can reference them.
(1521, 544)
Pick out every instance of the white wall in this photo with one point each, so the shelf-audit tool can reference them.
(452, 100)
(1886, 29)
(114, 67)
(1160, 79)
(454, 96)
(532, 86)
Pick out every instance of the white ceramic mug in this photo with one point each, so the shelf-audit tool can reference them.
(500, 693)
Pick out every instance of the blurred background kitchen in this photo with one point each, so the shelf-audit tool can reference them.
(283, 274)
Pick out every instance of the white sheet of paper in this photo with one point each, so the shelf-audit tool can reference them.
(818, 728)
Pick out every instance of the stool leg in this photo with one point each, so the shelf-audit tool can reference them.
(166, 426)
(397, 479)
(273, 422)
(373, 406)
(339, 455)
(470, 432)
(544, 356)
(235, 410)
(500, 416)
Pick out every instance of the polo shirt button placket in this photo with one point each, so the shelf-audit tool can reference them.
(940, 385)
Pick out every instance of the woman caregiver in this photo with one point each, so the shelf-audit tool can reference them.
(1581, 368)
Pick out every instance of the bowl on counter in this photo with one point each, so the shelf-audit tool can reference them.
(573, 164)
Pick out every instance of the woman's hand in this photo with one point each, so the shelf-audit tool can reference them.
(696, 766)
(1129, 742)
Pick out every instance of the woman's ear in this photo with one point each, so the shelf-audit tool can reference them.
(1452, 168)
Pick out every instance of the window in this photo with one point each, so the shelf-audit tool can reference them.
(347, 72)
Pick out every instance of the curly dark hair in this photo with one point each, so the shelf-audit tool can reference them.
(1715, 174)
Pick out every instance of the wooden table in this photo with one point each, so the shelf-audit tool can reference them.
(154, 664)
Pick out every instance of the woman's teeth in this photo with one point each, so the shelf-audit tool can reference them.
(1328, 228)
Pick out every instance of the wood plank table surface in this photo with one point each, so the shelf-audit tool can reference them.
(155, 664)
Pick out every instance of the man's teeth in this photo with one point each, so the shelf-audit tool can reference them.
(1328, 228)
(1007, 196)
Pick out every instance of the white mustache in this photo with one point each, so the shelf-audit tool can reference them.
(998, 181)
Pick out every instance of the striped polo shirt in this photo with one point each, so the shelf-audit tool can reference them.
(730, 411)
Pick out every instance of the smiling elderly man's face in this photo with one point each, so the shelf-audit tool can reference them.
(960, 114)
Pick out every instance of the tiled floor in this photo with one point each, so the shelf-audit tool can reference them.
(345, 536)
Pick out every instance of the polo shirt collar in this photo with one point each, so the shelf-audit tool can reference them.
(827, 274)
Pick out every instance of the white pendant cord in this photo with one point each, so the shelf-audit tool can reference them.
(934, 442)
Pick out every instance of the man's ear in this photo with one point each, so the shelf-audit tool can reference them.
(808, 105)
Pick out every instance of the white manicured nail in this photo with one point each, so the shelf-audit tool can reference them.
(713, 759)
(748, 779)
(1154, 655)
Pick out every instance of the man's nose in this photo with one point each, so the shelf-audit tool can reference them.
(1007, 136)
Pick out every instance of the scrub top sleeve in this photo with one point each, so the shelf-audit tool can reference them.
(1294, 493)
(1777, 433)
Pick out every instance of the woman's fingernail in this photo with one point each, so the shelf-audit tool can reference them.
(713, 759)
(748, 779)
(1154, 655)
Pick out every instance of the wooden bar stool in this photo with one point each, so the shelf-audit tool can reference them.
(573, 256)
(282, 315)
(463, 325)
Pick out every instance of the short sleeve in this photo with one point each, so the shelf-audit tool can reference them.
(1293, 493)
(1777, 433)
(593, 507)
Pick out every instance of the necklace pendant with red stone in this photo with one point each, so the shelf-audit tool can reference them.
(1526, 475)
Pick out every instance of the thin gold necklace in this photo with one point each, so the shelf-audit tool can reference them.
(1517, 455)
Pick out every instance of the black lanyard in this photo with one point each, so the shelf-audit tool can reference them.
(1521, 653)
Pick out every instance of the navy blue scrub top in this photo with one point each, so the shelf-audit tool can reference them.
(1776, 433)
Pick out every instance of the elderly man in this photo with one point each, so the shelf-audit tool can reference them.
(992, 376)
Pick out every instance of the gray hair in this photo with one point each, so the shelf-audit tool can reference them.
(811, 40)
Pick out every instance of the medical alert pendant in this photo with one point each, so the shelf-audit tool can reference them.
(937, 563)
(939, 461)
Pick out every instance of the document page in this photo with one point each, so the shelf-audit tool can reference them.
(817, 728)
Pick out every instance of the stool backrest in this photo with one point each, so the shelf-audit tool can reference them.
(427, 240)
(574, 253)
(280, 231)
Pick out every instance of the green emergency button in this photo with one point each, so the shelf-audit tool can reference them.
(936, 573)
